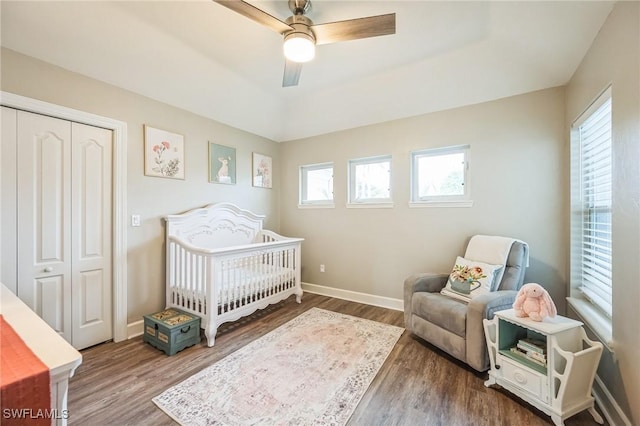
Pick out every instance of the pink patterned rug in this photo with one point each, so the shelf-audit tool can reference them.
(313, 370)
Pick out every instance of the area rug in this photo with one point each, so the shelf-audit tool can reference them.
(313, 370)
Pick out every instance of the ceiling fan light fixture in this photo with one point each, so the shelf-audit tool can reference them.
(301, 35)
(299, 47)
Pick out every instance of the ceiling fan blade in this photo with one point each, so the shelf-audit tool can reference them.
(291, 73)
(354, 29)
(255, 14)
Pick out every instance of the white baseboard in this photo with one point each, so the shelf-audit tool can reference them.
(135, 329)
(608, 405)
(354, 296)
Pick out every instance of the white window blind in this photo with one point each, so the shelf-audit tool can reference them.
(594, 251)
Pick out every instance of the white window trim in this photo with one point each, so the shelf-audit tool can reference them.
(599, 322)
(313, 204)
(441, 203)
(368, 202)
(441, 200)
(317, 205)
(370, 205)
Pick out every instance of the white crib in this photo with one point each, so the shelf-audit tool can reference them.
(221, 265)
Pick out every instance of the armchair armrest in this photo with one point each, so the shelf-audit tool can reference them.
(428, 282)
(485, 305)
(480, 308)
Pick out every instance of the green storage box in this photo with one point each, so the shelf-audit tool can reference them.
(171, 330)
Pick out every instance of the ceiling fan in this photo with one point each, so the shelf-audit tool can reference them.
(301, 35)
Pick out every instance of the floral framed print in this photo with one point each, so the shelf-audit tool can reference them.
(222, 164)
(163, 153)
(262, 170)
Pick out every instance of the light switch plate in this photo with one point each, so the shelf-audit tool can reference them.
(135, 220)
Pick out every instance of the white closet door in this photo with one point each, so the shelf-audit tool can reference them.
(64, 196)
(44, 218)
(91, 235)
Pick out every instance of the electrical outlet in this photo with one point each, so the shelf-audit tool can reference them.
(322, 267)
(135, 220)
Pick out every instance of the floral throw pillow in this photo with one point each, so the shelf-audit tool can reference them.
(469, 279)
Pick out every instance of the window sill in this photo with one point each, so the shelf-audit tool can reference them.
(597, 322)
(316, 206)
(461, 203)
(369, 205)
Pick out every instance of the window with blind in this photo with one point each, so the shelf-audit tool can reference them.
(591, 259)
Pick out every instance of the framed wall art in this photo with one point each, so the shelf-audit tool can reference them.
(262, 171)
(163, 153)
(222, 164)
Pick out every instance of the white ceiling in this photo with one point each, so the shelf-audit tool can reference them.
(202, 57)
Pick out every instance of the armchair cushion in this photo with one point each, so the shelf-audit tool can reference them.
(443, 311)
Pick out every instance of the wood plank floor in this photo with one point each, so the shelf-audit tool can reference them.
(417, 385)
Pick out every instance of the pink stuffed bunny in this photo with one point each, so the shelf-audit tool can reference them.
(534, 301)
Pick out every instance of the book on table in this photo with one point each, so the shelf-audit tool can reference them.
(531, 353)
(535, 345)
(522, 354)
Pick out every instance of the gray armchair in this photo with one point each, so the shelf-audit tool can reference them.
(453, 325)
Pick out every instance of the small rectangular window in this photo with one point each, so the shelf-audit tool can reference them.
(316, 184)
(370, 180)
(440, 176)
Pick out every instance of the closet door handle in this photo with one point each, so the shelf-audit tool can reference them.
(48, 269)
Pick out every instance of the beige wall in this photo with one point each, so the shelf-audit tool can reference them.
(151, 197)
(517, 167)
(614, 58)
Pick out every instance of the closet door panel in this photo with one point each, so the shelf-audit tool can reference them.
(44, 219)
(91, 294)
(51, 196)
(91, 235)
(50, 301)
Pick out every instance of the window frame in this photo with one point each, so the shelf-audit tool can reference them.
(303, 202)
(463, 200)
(351, 180)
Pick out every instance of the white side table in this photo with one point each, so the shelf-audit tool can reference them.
(562, 387)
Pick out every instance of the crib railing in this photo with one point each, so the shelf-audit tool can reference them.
(253, 276)
(224, 284)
